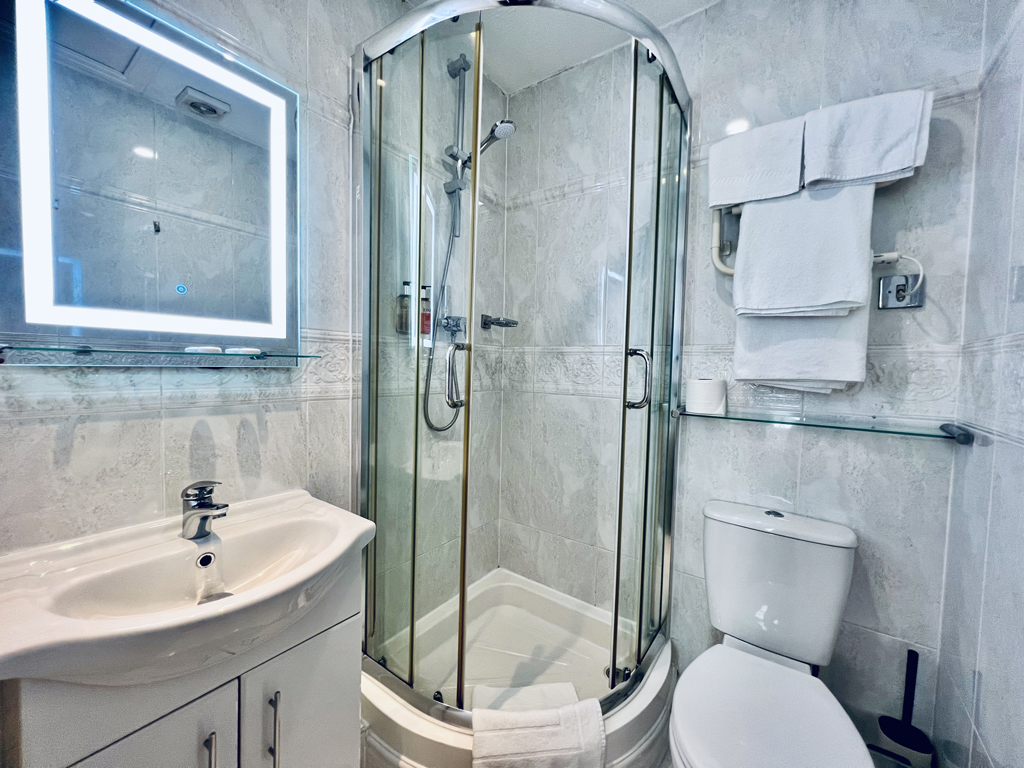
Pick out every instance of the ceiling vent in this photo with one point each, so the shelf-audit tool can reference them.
(201, 104)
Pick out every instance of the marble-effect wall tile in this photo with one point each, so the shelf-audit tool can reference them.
(894, 493)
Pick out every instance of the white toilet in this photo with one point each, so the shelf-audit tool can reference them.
(776, 584)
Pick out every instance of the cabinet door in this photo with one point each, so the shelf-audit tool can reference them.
(315, 715)
(181, 739)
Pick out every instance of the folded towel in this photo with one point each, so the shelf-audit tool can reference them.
(809, 354)
(807, 254)
(567, 737)
(869, 140)
(756, 164)
(543, 696)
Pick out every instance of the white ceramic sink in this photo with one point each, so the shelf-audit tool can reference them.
(134, 606)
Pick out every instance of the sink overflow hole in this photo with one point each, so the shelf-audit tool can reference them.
(206, 559)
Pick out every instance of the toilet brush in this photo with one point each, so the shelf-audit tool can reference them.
(898, 738)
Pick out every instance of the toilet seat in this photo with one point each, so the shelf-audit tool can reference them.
(734, 710)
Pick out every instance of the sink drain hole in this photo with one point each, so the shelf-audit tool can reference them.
(206, 559)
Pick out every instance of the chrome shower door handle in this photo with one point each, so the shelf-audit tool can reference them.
(451, 389)
(211, 747)
(644, 401)
(275, 750)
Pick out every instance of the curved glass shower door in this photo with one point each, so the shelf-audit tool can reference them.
(521, 346)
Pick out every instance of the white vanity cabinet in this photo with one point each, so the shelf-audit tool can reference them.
(314, 663)
(315, 709)
(313, 721)
(203, 734)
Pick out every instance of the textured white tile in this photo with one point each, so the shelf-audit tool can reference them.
(485, 459)
(335, 28)
(746, 463)
(998, 124)
(574, 110)
(708, 292)
(254, 450)
(273, 31)
(899, 382)
(692, 633)
(928, 217)
(979, 754)
(393, 504)
(953, 724)
(762, 62)
(867, 673)
(1000, 681)
(328, 280)
(965, 564)
(566, 470)
(71, 475)
(570, 270)
(523, 149)
(894, 493)
(565, 565)
(874, 47)
(330, 452)
(999, 18)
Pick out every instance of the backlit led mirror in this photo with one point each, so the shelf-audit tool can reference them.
(148, 194)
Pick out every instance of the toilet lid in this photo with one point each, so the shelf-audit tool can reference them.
(734, 710)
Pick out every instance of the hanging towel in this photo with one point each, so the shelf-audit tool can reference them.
(807, 254)
(755, 165)
(571, 736)
(809, 354)
(879, 139)
(543, 696)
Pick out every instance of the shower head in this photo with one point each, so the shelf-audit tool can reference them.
(503, 129)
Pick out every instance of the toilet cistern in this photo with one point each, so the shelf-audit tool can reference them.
(198, 509)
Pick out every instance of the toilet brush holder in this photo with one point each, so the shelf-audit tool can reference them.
(899, 738)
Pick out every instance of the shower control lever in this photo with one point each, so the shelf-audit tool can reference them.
(486, 322)
(454, 324)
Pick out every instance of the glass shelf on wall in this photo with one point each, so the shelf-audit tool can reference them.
(15, 354)
(880, 425)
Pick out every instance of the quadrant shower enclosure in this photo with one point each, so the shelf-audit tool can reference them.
(521, 233)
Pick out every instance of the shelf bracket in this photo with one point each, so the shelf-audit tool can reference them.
(961, 435)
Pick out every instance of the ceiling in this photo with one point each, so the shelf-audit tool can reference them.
(526, 45)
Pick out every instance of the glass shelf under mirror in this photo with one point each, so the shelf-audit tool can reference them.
(95, 356)
(880, 425)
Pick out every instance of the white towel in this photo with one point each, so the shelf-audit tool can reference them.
(542, 696)
(807, 254)
(567, 737)
(878, 139)
(809, 354)
(757, 164)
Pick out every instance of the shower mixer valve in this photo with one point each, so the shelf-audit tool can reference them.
(454, 325)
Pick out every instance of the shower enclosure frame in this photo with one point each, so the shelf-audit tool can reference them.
(409, 26)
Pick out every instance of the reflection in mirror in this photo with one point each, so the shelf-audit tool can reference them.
(157, 193)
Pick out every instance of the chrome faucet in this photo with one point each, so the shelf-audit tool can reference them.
(198, 510)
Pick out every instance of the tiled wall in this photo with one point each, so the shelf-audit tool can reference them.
(565, 243)
(769, 60)
(85, 450)
(980, 713)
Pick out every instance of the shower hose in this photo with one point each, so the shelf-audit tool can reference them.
(435, 322)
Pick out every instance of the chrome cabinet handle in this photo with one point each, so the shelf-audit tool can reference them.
(644, 401)
(451, 391)
(275, 750)
(211, 747)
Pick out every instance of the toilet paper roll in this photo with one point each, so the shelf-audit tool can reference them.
(706, 396)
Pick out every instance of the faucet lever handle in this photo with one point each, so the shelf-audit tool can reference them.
(200, 491)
